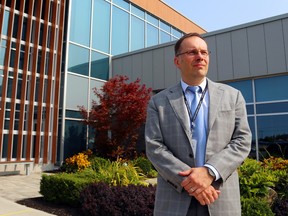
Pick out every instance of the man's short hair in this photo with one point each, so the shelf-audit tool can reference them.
(179, 42)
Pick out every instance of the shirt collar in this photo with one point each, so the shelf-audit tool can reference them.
(185, 85)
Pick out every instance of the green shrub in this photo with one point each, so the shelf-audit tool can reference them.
(255, 207)
(254, 179)
(146, 167)
(65, 187)
(119, 173)
(98, 162)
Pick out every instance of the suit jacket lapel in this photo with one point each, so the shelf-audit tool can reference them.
(215, 95)
(176, 100)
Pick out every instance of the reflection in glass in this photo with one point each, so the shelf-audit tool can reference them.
(164, 37)
(73, 114)
(95, 84)
(80, 21)
(272, 88)
(246, 89)
(164, 26)
(120, 36)
(77, 92)
(272, 108)
(152, 19)
(250, 109)
(101, 26)
(137, 11)
(137, 33)
(122, 4)
(273, 135)
(1, 81)
(152, 35)
(176, 33)
(78, 60)
(253, 151)
(5, 23)
(5, 146)
(2, 51)
(75, 138)
(99, 66)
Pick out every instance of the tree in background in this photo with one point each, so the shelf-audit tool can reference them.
(117, 117)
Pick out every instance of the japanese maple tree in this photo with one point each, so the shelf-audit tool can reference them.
(117, 117)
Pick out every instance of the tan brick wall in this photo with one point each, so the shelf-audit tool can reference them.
(165, 12)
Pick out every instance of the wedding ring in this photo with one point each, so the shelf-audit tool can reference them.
(192, 190)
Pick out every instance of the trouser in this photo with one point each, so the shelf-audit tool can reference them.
(196, 209)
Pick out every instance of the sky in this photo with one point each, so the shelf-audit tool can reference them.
(214, 15)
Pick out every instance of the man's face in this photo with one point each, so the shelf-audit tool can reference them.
(193, 61)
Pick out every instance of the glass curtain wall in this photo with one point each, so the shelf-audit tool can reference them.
(267, 108)
(98, 29)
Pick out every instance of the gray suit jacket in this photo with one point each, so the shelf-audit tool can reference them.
(168, 146)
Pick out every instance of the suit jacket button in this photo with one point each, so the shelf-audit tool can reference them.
(190, 155)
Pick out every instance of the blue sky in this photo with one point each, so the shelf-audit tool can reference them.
(215, 15)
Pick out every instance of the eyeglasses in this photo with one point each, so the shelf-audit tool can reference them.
(194, 52)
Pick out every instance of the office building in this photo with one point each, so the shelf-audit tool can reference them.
(52, 53)
(252, 57)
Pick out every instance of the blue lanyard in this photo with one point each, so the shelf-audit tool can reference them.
(193, 118)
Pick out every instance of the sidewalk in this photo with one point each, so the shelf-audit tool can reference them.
(18, 187)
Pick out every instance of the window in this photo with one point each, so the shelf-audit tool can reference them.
(99, 66)
(272, 88)
(246, 89)
(137, 33)
(120, 36)
(152, 35)
(95, 84)
(80, 22)
(138, 12)
(101, 26)
(75, 136)
(78, 60)
(164, 37)
(77, 91)
(272, 135)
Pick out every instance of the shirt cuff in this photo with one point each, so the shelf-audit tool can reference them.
(217, 175)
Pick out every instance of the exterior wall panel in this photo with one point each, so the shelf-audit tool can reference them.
(136, 66)
(213, 67)
(170, 75)
(274, 47)
(224, 56)
(127, 66)
(147, 69)
(251, 50)
(159, 68)
(240, 54)
(257, 50)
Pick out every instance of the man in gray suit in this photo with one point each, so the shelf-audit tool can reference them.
(197, 151)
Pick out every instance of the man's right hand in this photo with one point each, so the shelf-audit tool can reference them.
(207, 196)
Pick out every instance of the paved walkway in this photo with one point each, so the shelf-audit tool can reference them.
(18, 187)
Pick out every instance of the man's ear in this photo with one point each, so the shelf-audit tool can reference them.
(176, 62)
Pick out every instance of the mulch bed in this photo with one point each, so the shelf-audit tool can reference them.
(51, 208)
